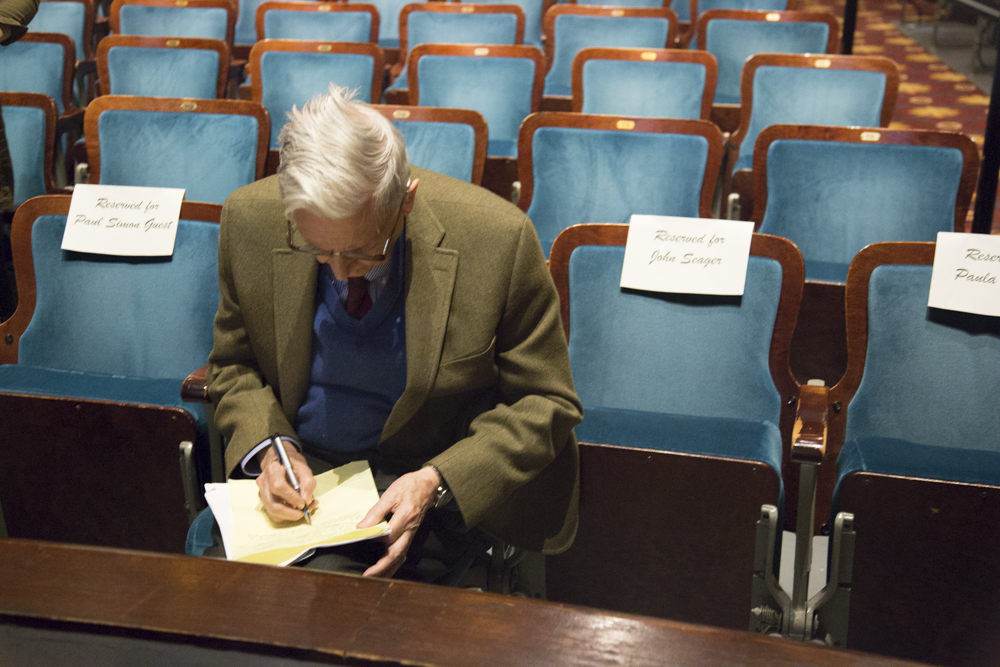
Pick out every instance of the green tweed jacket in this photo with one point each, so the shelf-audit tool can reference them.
(489, 398)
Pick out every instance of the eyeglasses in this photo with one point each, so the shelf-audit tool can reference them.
(298, 243)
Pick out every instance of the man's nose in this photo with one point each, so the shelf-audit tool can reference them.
(341, 267)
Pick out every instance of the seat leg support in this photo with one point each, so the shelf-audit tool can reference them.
(189, 479)
(829, 608)
(768, 602)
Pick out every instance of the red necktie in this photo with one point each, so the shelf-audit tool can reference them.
(358, 301)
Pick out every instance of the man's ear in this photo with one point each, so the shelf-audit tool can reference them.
(411, 193)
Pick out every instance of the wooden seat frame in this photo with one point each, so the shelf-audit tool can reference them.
(48, 106)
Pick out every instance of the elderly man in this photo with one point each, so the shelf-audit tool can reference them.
(374, 311)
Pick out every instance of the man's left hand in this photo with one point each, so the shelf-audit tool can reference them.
(408, 499)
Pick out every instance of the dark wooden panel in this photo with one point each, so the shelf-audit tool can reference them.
(926, 569)
(303, 614)
(93, 473)
(664, 534)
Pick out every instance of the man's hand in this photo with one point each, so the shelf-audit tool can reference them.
(281, 502)
(408, 499)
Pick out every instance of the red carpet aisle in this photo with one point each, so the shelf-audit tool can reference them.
(931, 95)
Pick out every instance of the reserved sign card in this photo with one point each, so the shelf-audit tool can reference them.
(965, 274)
(686, 255)
(123, 220)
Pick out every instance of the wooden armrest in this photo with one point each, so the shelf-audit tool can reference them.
(102, 26)
(809, 430)
(195, 388)
(86, 67)
(70, 120)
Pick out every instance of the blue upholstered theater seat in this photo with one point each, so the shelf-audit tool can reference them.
(578, 174)
(436, 27)
(182, 21)
(532, 17)
(788, 88)
(388, 21)
(572, 32)
(63, 17)
(503, 84)
(29, 121)
(29, 66)
(289, 73)
(928, 404)
(835, 190)
(328, 26)
(131, 340)
(448, 141)
(166, 142)
(733, 40)
(665, 83)
(166, 71)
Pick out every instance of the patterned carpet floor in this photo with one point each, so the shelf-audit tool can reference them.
(932, 96)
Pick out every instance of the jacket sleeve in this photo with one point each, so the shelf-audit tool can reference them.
(246, 408)
(522, 450)
(15, 15)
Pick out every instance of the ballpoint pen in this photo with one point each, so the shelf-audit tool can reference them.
(279, 450)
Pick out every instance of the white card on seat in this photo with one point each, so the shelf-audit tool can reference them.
(966, 274)
(686, 255)
(123, 220)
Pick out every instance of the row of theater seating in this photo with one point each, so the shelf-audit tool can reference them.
(831, 190)
(692, 398)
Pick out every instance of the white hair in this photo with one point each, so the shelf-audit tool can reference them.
(338, 157)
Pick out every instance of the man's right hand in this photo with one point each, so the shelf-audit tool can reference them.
(281, 501)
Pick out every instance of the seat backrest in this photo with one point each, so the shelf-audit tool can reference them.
(207, 147)
(503, 83)
(734, 36)
(163, 66)
(695, 8)
(698, 355)
(208, 19)
(657, 83)
(113, 315)
(321, 21)
(290, 72)
(453, 23)
(73, 18)
(812, 90)
(388, 21)
(448, 141)
(577, 168)
(570, 28)
(924, 375)
(29, 121)
(533, 12)
(40, 62)
(834, 190)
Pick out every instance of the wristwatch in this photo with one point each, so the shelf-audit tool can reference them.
(443, 494)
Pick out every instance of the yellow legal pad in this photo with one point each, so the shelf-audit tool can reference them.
(345, 495)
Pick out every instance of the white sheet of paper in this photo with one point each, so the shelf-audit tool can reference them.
(966, 274)
(123, 220)
(345, 495)
(686, 255)
(217, 497)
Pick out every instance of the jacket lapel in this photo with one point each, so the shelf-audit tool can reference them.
(294, 312)
(430, 280)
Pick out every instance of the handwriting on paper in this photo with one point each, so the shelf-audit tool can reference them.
(964, 277)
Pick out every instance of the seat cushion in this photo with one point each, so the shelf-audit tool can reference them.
(707, 436)
(891, 456)
(20, 379)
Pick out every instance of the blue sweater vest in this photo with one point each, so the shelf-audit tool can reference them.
(358, 366)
